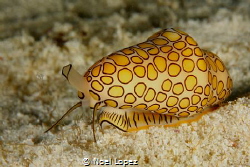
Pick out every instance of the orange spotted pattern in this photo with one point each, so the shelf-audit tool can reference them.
(167, 74)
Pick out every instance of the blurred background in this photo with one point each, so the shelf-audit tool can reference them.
(38, 17)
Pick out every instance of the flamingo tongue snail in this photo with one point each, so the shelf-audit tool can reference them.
(166, 80)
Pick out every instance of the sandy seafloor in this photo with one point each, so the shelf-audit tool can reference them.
(38, 38)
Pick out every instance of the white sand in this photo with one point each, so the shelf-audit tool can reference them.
(34, 94)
